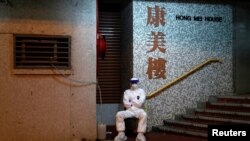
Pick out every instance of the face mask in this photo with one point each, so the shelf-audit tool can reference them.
(134, 86)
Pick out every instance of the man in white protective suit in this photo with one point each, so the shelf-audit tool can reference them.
(133, 100)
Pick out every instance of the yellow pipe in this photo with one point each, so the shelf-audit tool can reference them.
(183, 76)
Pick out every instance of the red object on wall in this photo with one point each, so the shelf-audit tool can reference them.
(101, 46)
(100, 39)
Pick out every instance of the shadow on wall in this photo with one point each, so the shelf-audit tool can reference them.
(45, 10)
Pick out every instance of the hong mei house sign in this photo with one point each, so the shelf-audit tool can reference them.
(198, 18)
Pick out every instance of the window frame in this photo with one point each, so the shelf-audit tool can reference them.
(36, 38)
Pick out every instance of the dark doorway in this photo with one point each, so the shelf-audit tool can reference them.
(109, 68)
(242, 47)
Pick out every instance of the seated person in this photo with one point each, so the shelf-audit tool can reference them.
(133, 100)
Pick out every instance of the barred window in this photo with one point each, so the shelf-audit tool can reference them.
(42, 51)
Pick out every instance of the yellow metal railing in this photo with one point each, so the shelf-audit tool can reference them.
(183, 76)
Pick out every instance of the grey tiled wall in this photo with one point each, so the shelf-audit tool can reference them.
(188, 43)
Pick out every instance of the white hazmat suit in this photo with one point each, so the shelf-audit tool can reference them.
(133, 100)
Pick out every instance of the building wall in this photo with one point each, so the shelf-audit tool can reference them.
(127, 44)
(188, 43)
(242, 47)
(48, 106)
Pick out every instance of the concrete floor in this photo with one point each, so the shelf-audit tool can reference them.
(152, 136)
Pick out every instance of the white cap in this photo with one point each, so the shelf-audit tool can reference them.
(134, 80)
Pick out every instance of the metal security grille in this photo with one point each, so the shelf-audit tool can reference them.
(42, 51)
(109, 69)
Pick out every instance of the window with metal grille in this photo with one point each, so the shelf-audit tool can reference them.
(42, 51)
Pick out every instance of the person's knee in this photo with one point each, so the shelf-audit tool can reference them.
(119, 117)
(143, 115)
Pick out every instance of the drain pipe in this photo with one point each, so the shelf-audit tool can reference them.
(101, 128)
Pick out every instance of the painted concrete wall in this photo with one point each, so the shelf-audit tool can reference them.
(106, 113)
(187, 43)
(49, 107)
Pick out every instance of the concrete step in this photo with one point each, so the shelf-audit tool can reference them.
(234, 99)
(154, 136)
(185, 124)
(229, 107)
(212, 120)
(232, 110)
(223, 114)
(178, 130)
